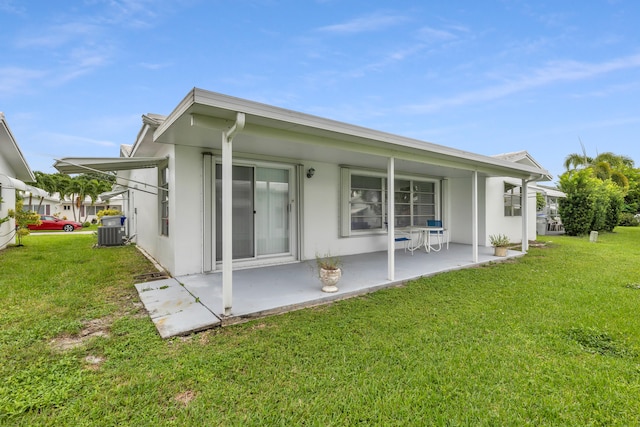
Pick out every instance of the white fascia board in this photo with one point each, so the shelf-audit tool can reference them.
(10, 150)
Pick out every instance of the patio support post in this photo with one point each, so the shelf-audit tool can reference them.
(474, 214)
(391, 223)
(525, 215)
(227, 212)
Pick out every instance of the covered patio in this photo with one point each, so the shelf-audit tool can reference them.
(191, 303)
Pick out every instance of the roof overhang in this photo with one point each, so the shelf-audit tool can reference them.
(202, 116)
(10, 151)
(71, 165)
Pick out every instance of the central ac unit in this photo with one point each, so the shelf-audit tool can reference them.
(109, 236)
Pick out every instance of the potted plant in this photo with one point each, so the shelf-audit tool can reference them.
(500, 243)
(329, 272)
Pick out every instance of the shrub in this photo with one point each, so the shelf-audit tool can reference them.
(591, 204)
(86, 224)
(577, 210)
(628, 220)
(108, 212)
(616, 204)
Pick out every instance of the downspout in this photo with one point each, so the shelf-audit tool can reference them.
(227, 211)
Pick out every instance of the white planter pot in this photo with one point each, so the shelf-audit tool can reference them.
(329, 279)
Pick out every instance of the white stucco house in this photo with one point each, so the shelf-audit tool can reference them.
(14, 171)
(223, 183)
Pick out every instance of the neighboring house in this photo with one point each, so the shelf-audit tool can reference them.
(14, 171)
(224, 183)
(53, 205)
(548, 218)
(88, 211)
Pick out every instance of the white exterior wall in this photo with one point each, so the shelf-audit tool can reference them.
(498, 223)
(461, 210)
(185, 206)
(8, 202)
(143, 212)
(321, 217)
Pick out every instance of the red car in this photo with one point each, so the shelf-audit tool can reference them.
(52, 223)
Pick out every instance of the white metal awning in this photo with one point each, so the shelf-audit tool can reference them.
(105, 164)
(108, 195)
(35, 191)
(8, 182)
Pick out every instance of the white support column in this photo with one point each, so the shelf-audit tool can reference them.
(525, 215)
(227, 213)
(474, 213)
(227, 223)
(391, 223)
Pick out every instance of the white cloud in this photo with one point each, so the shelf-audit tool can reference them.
(363, 24)
(155, 66)
(552, 73)
(54, 138)
(10, 6)
(59, 35)
(15, 80)
(432, 34)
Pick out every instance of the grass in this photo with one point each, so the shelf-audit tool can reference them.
(552, 338)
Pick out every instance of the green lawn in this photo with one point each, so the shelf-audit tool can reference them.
(552, 338)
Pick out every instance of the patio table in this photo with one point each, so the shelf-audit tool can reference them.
(424, 238)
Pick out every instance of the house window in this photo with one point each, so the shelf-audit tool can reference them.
(415, 202)
(512, 200)
(366, 202)
(163, 194)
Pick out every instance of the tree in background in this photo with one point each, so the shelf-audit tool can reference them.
(76, 188)
(597, 191)
(23, 219)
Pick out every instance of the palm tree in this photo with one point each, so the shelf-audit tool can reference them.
(604, 166)
(46, 182)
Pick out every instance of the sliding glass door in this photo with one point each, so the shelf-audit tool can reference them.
(243, 211)
(262, 199)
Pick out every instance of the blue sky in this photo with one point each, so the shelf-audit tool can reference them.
(488, 77)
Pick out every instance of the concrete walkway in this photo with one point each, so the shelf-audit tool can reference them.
(186, 304)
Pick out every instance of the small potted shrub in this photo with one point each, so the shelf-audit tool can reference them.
(500, 243)
(329, 272)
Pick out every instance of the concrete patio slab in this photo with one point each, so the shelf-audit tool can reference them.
(173, 309)
(186, 304)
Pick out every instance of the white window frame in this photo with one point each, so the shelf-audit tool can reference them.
(345, 199)
(163, 199)
(512, 200)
